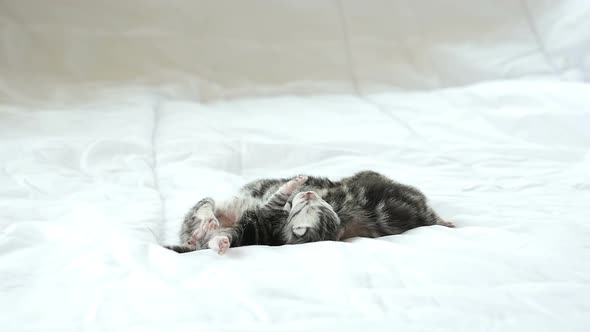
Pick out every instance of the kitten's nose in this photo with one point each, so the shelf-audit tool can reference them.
(308, 195)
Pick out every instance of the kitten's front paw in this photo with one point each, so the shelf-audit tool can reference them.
(219, 243)
(290, 186)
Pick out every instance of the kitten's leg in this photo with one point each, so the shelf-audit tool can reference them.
(280, 197)
(198, 221)
(219, 243)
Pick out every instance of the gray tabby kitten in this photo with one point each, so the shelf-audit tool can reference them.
(306, 209)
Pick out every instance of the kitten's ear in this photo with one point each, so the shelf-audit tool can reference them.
(287, 207)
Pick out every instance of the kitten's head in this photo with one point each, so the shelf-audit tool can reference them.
(310, 219)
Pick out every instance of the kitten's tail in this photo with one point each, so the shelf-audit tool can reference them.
(440, 221)
(180, 248)
(445, 223)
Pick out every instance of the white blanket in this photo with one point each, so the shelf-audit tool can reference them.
(114, 120)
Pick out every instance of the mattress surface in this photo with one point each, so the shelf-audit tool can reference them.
(485, 109)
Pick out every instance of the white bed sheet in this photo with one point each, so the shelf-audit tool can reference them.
(494, 130)
(81, 213)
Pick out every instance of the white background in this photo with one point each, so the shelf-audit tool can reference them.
(115, 117)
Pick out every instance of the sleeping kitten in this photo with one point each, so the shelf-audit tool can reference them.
(307, 209)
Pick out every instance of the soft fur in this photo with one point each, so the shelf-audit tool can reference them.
(306, 209)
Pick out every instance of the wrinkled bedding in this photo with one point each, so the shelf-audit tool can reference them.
(98, 167)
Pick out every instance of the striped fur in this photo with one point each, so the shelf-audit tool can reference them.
(307, 209)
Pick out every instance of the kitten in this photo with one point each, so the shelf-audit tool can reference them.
(307, 209)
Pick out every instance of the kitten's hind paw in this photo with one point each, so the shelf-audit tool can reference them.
(208, 224)
(196, 236)
(219, 243)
